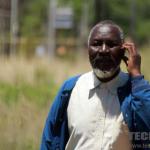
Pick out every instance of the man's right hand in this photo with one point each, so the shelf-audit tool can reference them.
(133, 62)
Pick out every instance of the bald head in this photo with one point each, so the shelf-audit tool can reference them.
(105, 27)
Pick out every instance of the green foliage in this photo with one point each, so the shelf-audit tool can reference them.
(9, 93)
(142, 31)
(40, 93)
(132, 16)
(119, 11)
(34, 15)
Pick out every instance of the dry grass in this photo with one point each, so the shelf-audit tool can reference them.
(22, 122)
(21, 126)
(21, 69)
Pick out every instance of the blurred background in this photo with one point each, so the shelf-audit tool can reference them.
(42, 43)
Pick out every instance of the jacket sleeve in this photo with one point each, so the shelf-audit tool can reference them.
(141, 98)
(48, 132)
(55, 132)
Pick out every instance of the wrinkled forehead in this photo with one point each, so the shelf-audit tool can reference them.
(105, 30)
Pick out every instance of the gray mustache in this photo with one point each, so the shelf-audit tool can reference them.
(103, 58)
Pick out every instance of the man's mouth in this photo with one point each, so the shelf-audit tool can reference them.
(103, 58)
(104, 66)
(103, 63)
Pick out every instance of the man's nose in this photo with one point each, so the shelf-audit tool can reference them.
(104, 48)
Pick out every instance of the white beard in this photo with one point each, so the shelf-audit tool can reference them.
(105, 74)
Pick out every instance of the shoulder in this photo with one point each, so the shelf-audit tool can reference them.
(70, 82)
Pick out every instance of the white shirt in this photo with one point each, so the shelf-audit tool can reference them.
(95, 121)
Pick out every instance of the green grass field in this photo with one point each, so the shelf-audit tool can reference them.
(27, 88)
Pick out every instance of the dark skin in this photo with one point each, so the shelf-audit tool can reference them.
(107, 48)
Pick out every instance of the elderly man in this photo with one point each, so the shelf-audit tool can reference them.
(106, 108)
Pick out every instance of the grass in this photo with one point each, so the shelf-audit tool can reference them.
(27, 88)
(37, 85)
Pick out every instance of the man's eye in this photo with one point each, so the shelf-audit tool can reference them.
(97, 43)
(111, 44)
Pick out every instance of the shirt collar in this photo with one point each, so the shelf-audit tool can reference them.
(93, 81)
(112, 85)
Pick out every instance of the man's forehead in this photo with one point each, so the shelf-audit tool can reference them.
(104, 29)
(107, 29)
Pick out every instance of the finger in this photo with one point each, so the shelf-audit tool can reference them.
(131, 48)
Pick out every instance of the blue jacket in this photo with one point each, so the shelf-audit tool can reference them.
(134, 99)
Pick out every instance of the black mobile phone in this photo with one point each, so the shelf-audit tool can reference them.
(123, 52)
